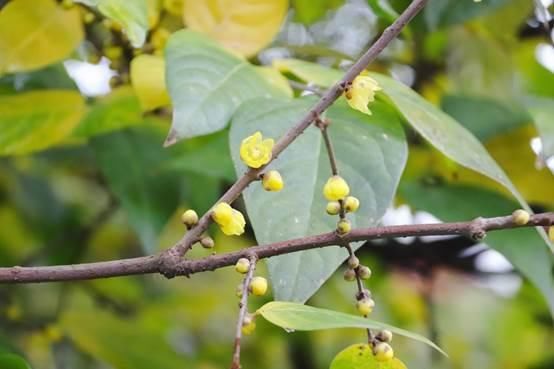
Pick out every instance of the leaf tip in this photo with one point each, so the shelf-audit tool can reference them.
(171, 138)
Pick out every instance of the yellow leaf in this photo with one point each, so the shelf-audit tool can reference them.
(148, 79)
(35, 33)
(360, 356)
(36, 120)
(245, 26)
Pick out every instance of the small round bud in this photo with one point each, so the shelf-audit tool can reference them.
(242, 266)
(351, 204)
(248, 325)
(383, 351)
(349, 275)
(333, 208)
(364, 272)
(238, 290)
(207, 242)
(343, 227)
(353, 262)
(551, 233)
(258, 286)
(272, 181)
(336, 188)
(189, 218)
(365, 306)
(384, 336)
(521, 217)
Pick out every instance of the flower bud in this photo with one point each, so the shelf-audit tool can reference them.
(248, 325)
(272, 181)
(258, 286)
(365, 306)
(384, 336)
(242, 266)
(351, 204)
(349, 275)
(207, 242)
(189, 218)
(333, 208)
(383, 351)
(364, 272)
(343, 227)
(353, 262)
(336, 188)
(520, 217)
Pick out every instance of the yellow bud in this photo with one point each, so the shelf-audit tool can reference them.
(336, 188)
(272, 181)
(365, 306)
(189, 218)
(159, 38)
(551, 233)
(521, 217)
(361, 93)
(349, 275)
(351, 204)
(384, 336)
(333, 208)
(258, 286)
(238, 290)
(364, 272)
(89, 17)
(242, 266)
(236, 226)
(343, 227)
(383, 351)
(248, 327)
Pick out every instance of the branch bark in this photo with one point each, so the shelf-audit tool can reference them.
(151, 264)
(173, 256)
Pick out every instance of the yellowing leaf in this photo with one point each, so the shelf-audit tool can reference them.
(148, 79)
(36, 120)
(35, 33)
(245, 26)
(360, 356)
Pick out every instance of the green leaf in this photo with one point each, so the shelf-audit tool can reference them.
(295, 316)
(309, 72)
(37, 120)
(378, 144)
(309, 11)
(523, 247)
(542, 111)
(360, 356)
(131, 161)
(12, 361)
(494, 117)
(116, 111)
(440, 13)
(123, 344)
(206, 84)
(131, 15)
(35, 33)
(52, 77)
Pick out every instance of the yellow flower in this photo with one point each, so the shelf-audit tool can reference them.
(336, 188)
(230, 221)
(255, 151)
(361, 93)
(236, 226)
(272, 181)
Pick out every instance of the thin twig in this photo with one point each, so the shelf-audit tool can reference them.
(173, 256)
(151, 264)
(243, 306)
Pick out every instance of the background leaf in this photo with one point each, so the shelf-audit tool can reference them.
(12, 361)
(206, 85)
(290, 315)
(542, 110)
(440, 13)
(35, 33)
(243, 26)
(148, 80)
(53, 116)
(299, 209)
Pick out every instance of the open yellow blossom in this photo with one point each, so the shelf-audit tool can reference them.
(230, 221)
(255, 151)
(361, 93)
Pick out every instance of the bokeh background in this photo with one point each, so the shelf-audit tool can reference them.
(72, 201)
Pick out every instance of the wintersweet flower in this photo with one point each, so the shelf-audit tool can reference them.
(230, 221)
(255, 151)
(272, 181)
(336, 188)
(361, 93)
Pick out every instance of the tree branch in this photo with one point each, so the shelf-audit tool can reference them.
(173, 256)
(151, 264)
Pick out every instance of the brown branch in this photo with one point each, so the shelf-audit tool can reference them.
(243, 306)
(173, 256)
(151, 264)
